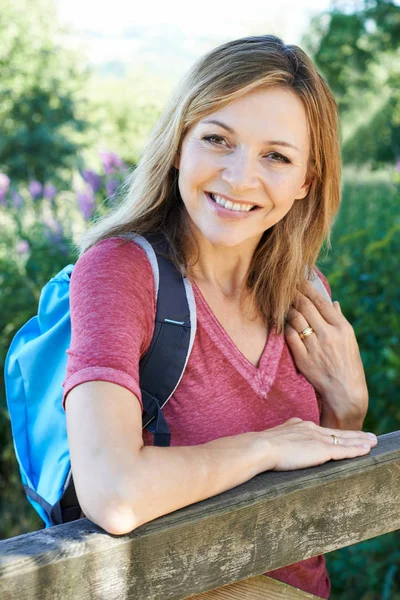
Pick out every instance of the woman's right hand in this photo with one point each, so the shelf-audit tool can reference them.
(297, 444)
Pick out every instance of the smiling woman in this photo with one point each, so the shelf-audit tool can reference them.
(241, 180)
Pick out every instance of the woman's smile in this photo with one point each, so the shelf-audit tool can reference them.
(228, 208)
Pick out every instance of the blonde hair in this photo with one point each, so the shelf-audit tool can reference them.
(153, 204)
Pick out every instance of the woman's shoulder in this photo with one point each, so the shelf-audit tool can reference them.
(115, 249)
(114, 263)
(324, 281)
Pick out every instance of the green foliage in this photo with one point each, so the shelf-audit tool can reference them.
(340, 56)
(363, 271)
(349, 39)
(357, 48)
(376, 139)
(40, 94)
(121, 112)
(367, 571)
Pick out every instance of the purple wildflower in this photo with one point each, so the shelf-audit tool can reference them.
(17, 199)
(4, 185)
(4, 182)
(49, 191)
(111, 162)
(93, 179)
(54, 234)
(22, 247)
(86, 201)
(54, 231)
(35, 189)
(398, 165)
(111, 186)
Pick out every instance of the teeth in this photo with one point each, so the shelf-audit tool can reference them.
(235, 206)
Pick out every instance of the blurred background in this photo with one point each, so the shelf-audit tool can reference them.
(81, 85)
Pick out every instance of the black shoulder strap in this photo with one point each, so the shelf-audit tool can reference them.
(162, 367)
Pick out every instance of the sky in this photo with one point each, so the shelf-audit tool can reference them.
(182, 30)
(206, 16)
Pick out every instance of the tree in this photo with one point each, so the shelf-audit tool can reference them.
(40, 94)
(357, 48)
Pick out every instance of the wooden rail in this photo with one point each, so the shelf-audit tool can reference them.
(274, 520)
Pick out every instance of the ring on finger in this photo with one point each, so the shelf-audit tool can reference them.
(335, 439)
(306, 332)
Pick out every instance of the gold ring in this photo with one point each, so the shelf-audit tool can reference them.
(306, 332)
(335, 440)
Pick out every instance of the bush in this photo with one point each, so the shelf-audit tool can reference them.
(363, 271)
(42, 96)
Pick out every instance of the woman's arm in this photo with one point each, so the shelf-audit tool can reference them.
(122, 484)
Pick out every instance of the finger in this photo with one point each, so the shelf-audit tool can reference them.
(348, 441)
(341, 452)
(299, 323)
(353, 441)
(294, 342)
(311, 313)
(337, 307)
(344, 435)
(297, 320)
(323, 305)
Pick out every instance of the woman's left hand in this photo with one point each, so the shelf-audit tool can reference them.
(329, 358)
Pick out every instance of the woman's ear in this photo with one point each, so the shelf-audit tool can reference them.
(305, 188)
(177, 161)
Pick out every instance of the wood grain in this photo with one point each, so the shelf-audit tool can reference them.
(256, 588)
(274, 520)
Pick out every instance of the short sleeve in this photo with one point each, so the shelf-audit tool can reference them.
(325, 282)
(112, 304)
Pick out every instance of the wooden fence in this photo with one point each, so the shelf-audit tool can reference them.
(274, 520)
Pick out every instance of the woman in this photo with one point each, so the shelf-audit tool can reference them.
(241, 176)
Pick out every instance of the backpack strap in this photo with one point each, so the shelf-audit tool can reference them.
(164, 363)
(67, 509)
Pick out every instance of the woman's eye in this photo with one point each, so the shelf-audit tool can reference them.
(218, 140)
(276, 157)
(215, 139)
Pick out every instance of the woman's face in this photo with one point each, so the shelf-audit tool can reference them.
(252, 154)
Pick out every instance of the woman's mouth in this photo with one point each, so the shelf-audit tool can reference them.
(232, 206)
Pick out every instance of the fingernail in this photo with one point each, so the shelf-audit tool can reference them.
(366, 446)
(371, 436)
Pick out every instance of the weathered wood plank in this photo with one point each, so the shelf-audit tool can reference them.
(273, 520)
(256, 588)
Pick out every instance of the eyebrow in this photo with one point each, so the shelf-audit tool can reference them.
(232, 131)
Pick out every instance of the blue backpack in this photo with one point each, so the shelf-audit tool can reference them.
(35, 368)
(36, 364)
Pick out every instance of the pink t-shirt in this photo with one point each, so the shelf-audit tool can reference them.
(221, 393)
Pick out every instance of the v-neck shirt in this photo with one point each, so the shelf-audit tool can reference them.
(261, 377)
(221, 393)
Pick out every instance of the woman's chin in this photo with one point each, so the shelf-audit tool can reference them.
(223, 239)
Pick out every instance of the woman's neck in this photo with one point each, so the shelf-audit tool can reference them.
(221, 268)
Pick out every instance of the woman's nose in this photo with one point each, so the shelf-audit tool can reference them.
(241, 172)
